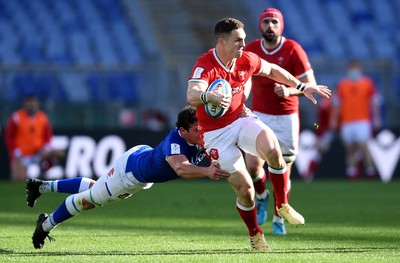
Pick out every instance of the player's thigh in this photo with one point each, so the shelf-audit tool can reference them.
(221, 147)
(352, 132)
(258, 139)
(116, 184)
(107, 190)
(286, 129)
(249, 131)
(363, 132)
(254, 164)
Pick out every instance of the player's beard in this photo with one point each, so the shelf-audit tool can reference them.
(270, 38)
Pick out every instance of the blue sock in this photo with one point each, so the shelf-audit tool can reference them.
(61, 214)
(70, 186)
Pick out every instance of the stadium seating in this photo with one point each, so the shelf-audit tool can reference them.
(93, 50)
(86, 33)
(117, 87)
(343, 29)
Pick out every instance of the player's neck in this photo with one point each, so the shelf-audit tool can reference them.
(227, 60)
(268, 45)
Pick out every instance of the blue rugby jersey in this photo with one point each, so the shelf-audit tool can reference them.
(149, 164)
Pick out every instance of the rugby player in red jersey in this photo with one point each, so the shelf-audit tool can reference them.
(276, 104)
(238, 129)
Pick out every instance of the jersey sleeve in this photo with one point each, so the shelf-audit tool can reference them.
(301, 63)
(202, 70)
(173, 145)
(255, 62)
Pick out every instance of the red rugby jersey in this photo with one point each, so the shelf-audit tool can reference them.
(209, 68)
(288, 55)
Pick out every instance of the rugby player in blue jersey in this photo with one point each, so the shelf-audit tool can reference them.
(138, 168)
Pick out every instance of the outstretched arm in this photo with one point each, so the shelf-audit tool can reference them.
(185, 169)
(281, 75)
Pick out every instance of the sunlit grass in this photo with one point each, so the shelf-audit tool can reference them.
(196, 221)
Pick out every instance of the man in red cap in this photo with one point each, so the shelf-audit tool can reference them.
(276, 104)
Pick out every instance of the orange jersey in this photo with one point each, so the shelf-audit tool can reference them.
(28, 133)
(355, 98)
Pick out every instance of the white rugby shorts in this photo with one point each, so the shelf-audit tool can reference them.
(30, 159)
(286, 128)
(117, 184)
(224, 145)
(357, 131)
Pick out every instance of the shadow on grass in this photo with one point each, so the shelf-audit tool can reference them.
(193, 252)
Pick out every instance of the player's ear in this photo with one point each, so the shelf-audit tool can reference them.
(182, 130)
(221, 40)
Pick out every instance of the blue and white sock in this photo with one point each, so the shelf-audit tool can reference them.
(66, 210)
(74, 185)
(69, 186)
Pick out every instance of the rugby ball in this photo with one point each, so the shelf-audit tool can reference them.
(224, 87)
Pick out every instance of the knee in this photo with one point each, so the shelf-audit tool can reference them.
(253, 167)
(274, 158)
(91, 183)
(253, 171)
(246, 193)
(86, 205)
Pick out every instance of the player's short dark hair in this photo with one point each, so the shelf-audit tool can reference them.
(226, 25)
(186, 117)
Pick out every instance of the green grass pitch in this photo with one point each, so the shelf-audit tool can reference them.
(196, 221)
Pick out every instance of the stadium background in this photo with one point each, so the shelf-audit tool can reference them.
(121, 66)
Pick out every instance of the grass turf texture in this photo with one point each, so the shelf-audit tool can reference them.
(196, 221)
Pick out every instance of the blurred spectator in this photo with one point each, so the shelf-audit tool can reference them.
(154, 120)
(356, 114)
(28, 135)
(127, 118)
(324, 135)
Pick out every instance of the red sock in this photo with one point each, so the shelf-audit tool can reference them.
(249, 217)
(275, 211)
(259, 185)
(279, 181)
(312, 167)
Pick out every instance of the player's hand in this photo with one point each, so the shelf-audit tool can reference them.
(317, 89)
(281, 90)
(219, 99)
(216, 173)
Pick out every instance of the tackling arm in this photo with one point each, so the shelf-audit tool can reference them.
(185, 169)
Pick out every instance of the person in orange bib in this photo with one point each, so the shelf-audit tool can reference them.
(356, 114)
(28, 135)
